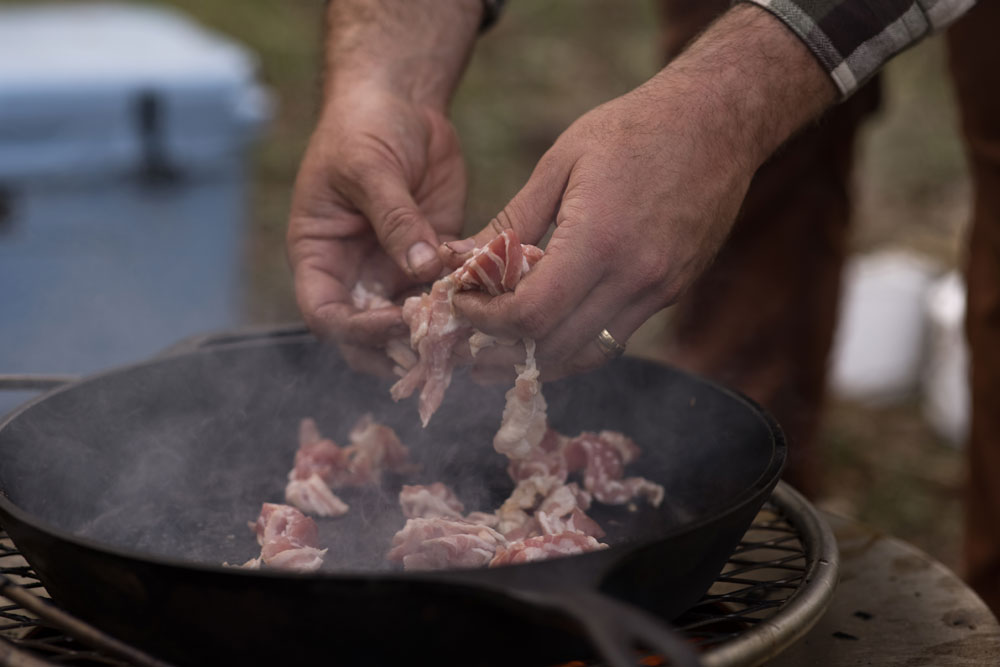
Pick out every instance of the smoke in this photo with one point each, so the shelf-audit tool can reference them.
(172, 458)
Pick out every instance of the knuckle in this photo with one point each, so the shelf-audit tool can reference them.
(358, 170)
(604, 243)
(396, 223)
(648, 273)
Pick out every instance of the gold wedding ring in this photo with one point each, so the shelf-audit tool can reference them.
(611, 348)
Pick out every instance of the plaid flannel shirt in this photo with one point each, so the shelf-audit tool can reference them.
(853, 39)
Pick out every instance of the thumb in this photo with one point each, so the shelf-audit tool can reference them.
(530, 213)
(402, 230)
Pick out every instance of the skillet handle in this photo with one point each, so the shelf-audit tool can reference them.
(616, 629)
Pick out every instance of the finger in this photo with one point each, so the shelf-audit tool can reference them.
(554, 287)
(379, 272)
(576, 339)
(326, 306)
(530, 213)
(573, 347)
(402, 230)
(367, 328)
(454, 253)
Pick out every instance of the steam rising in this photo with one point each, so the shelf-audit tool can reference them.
(172, 458)
(176, 457)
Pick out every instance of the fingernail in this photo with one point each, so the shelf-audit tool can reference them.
(462, 246)
(419, 255)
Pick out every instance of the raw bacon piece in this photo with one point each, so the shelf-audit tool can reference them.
(374, 448)
(435, 544)
(281, 527)
(398, 349)
(564, 499)
(321, 465)
(369, 296)
(483, 518)
(479, 341)
(306, 559)
(451, 551)
(524, 422)
(627, 450)
(312, 495)
(372, 297)
(287, 538)
(576, 521)
(435, 328)
(515, 513)
(544, 547)
(546, 460)
(499, 265)
(316, 454)
(602, 457)
(545, 506)
(434, 500)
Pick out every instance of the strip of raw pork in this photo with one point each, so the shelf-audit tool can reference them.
(321, 465)
(288, 540)
(435, 327)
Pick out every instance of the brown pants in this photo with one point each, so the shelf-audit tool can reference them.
(975, 69)
(777, 280)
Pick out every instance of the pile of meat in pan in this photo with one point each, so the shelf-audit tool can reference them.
(556, 478)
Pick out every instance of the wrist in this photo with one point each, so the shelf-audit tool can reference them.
(415, 49)
(752, 81)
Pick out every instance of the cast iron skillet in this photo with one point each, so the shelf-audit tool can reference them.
(126, 492)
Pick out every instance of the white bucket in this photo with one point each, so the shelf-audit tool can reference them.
(878, 347)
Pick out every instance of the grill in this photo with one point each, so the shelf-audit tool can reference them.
(776, 584)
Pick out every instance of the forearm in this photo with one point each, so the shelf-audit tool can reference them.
(753, 81)
(416, 48)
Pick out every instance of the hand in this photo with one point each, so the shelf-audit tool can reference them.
(382, 183)
(643, 190)
(641, 200)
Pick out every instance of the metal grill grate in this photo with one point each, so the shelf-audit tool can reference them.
(765, 582)
(767, 567)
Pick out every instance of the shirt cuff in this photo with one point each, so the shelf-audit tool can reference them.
(853, 39)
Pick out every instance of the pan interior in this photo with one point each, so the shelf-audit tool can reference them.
(173, 457)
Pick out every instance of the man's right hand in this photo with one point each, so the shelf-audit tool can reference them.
(381, 185)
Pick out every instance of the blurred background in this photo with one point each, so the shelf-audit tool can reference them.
(544, 64)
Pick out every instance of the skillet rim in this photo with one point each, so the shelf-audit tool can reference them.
(751, 493)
